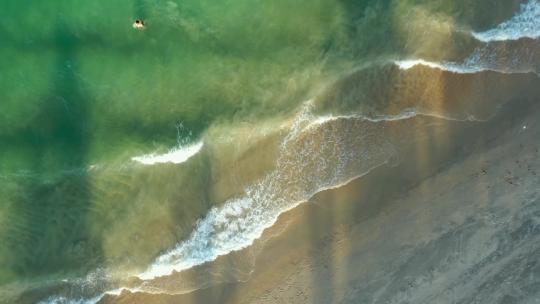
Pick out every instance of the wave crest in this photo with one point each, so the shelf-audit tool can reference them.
(526, 23)
(175, 156)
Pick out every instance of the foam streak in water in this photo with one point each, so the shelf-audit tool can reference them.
(94, 300)
(524, 24)
(64, 300)
(480, 60)
(445, 66)
(175, 156)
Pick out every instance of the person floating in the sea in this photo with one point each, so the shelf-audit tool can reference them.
(138, 24)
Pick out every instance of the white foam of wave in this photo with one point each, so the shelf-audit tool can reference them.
(94, 300)
(65, 300)
(405, 114)
(176, 156)
(482, 59)
(445, 66)
(526, 23)
(328, 155)
(410, 63)
(493, 57)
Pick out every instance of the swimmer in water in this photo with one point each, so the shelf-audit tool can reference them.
(138, 24)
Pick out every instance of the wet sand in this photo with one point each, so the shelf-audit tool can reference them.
(457, 221)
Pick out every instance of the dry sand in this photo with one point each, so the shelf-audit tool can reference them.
(458, 221)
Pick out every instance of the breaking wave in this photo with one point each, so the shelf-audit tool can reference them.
(327, 155)
(526, 23)
(175, 156)
(445, 66)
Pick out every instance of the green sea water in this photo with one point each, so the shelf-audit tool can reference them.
(80, 87)
(82, 92)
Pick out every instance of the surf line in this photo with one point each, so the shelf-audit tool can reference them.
(524, 24)
(176, 155)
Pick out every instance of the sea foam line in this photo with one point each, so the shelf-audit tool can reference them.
(93, 300)
(405, 114)
(477, 62)
(526, 23)
(176, 156)
(64, 300)
(467, 68)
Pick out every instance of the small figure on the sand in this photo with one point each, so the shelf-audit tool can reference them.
(510, 178)
(138, 24)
